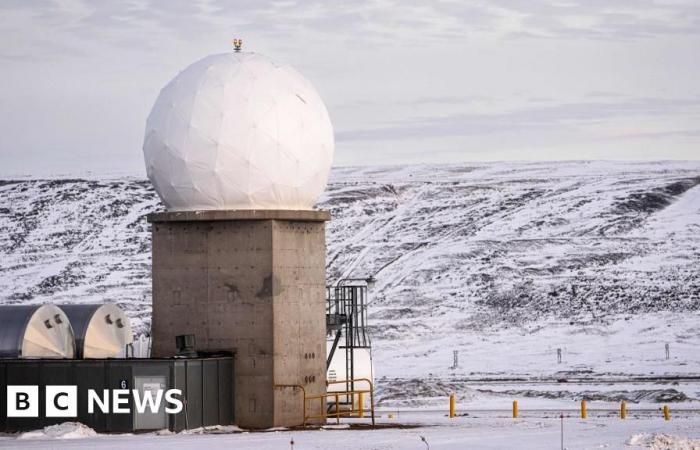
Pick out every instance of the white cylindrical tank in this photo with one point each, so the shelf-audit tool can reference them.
(101, 330)
(362, 368)
(238, 131)
(35, 331)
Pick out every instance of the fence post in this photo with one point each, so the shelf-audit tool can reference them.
(584, 411)
(515, 409)
(453, 405)
(623, 410)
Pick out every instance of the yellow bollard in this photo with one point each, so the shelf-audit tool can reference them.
(361, 404)
(584, 411)
(623, 410)
(453, 405)
(667, 413)
(515, 409)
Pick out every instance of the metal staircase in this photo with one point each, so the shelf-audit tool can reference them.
(346, 316)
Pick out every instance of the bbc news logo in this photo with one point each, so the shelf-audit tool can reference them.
(62, 401)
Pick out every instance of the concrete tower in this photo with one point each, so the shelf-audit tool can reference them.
(239, 149)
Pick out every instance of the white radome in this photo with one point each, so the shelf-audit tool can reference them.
(238, 131)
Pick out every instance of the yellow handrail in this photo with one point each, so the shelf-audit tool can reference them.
(353, 381)
(359, 412)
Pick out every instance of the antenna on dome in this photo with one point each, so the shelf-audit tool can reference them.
(237, 44)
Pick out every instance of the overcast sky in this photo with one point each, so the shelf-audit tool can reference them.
(404, 81)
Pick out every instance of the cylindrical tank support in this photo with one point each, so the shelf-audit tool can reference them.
(584, 411)
(453, 405)
(515, 409)
(623, 410)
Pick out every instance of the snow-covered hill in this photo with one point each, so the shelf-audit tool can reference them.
(503, 262)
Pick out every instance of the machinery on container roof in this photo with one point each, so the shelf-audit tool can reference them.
(79, 331)
(85, 345)
(35, 331)
(101, 331)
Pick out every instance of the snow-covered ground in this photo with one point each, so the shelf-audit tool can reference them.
(504, 263)
(440, 433)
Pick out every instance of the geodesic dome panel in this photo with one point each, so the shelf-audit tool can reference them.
(238, 131)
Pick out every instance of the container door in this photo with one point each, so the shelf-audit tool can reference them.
(148, 420)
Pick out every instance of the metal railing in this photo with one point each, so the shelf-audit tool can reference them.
(354, 408)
